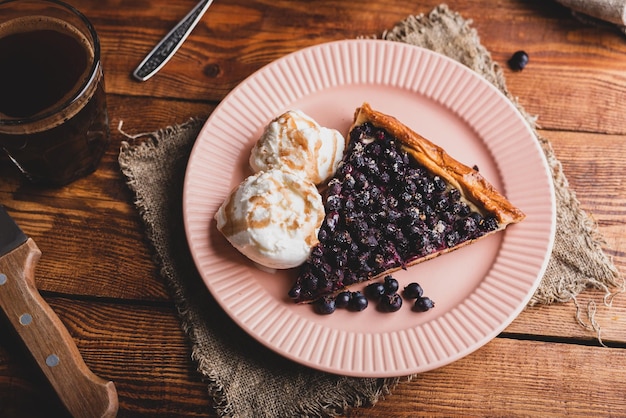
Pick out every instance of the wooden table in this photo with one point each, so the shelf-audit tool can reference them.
(97, 273)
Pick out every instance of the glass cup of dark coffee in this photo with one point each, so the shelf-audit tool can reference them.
(53, 118)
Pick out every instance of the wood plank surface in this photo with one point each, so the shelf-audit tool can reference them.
(133, 345)
(97, 270)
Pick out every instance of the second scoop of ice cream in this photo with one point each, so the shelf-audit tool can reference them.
(296, 142)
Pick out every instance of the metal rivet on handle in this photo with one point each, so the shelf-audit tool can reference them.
(52, 360)
(26, 319)
(3, 278)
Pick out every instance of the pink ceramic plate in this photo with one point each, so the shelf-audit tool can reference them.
(478, 290)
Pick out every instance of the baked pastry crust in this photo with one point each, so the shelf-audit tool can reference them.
(473, 186)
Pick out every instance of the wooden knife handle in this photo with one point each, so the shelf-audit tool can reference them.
(82, 392)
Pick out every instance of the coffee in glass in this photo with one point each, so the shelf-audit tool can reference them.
(53, 117)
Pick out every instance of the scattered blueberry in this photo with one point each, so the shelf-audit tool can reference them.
(358, 302)
(390, 303)
(518, 61)
(325, 305)
(386, 302)
(391, 285)
(413, 291)
(423, 304)
(343, 299)
(374, 290)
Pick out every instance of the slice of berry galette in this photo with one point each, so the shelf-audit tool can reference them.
(396, 200)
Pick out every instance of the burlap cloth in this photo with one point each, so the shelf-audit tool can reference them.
(599, 12)
(244, 378)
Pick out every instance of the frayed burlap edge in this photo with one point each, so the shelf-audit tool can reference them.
(442, 30)
(601, 13)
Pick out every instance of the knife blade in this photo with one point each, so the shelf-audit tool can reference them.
(12, 236)
(49, 342)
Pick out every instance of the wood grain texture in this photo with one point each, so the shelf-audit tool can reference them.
(123, 342)
(134, 346)
(97, 272)
(514, 378)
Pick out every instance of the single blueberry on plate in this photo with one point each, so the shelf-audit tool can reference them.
(390, 303)
(391, 285)
(358, 302)
(423, 304)
(343, 299)
(374, 290)
(413, 291)
(325, 305)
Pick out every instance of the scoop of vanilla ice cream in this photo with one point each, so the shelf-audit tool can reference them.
(273, 218)
(296, 142)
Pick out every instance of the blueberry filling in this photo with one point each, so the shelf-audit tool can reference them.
(383, 210)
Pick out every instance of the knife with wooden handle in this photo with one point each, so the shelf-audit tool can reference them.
(82, 392)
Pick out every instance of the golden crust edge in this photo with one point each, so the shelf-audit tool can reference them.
(472, 184)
